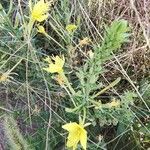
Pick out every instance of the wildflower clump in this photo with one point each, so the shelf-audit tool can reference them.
(77, 134)
(40, 11)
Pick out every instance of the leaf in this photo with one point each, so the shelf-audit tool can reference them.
(114, 37)
(108, 87)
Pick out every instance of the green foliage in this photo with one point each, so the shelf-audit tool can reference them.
(112, 116)
(98, 110)
(90, 72)
(114, 37)
(38, 98)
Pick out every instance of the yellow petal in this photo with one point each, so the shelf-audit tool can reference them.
(74, 147)
(59, 61)
(57, 66)
(42, 18)
(83, 138)
(47, 59)
(41, 7)
(70, 126)
(40, 11)
(76, 133)
(53, 68)
(73, 139)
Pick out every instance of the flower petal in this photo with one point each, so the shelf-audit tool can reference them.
(71, 126)
(83, 138)
(40, 11)
(73, 139)
(47, 59)
(51, 68)
(42, 18)
(57, 66)
(59, 61)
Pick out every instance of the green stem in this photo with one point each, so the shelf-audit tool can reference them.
(10, 7)
(84, 115)
(70, 96)
(29, 27)
(70, 110)
(107, 88)
(67, 83)
(95, 103)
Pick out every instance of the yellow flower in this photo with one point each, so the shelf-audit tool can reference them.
(71, 28)
(40, 11)
(114, 103)
(76, 133)
(57, 66)
(41, 29)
